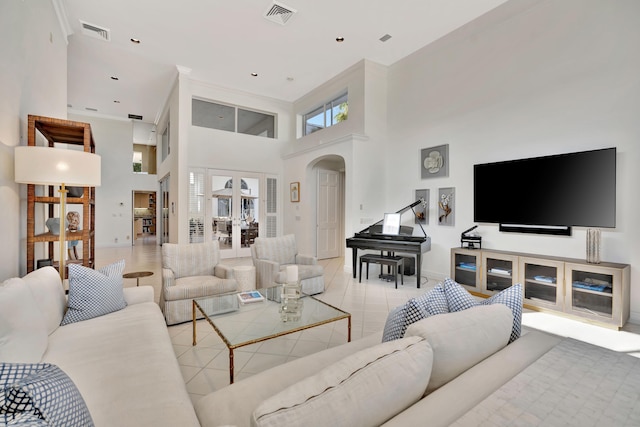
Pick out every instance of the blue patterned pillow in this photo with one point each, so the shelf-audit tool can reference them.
(40, 394)
(459, 299)
(429, 304)
(396, 324)
(94, 293)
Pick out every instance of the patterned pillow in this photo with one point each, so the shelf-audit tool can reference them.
(459, 299)
(429, 304)
(94, 293)
(40, 394)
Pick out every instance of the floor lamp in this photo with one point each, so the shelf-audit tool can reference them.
(57, 166)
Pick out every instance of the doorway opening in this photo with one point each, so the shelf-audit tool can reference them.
(144, 217)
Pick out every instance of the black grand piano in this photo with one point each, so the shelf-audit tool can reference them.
(404, 241)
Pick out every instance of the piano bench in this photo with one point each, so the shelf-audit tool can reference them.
(396, 262)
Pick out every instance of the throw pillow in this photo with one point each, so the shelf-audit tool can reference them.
(48, 292)
(429, 304)
(366, 388)
(462, 339)
(23, 328)
(40, 394)
(94, 293)
(459, 299)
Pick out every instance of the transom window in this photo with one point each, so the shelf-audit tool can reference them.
(232, 119)
(334, 111)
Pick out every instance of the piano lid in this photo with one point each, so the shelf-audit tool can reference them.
(375, 230)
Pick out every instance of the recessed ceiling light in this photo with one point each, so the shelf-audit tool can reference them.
(254, 74)
(116, 101)
(114, 78)
(136, 41)
(339, 39)
(289, 79)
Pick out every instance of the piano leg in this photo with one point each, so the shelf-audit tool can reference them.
(418, 267)
(354, 261)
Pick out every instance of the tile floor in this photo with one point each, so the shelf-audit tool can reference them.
(205, 367)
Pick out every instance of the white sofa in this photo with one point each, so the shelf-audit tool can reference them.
(122, 363)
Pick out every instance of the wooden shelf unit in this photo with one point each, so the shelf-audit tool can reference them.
(596, 293)
(59, 131)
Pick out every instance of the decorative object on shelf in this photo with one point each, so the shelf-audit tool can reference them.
(290, 301)
(471, 239)
(434, 161)
(73, 219)
(593, 245)
(294, 189)
(422, 210)
(53, 224)
(57, 166)
(446, 203)
(75, 191)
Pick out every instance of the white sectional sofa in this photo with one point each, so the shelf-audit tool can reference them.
(122, 363)
(450, 369)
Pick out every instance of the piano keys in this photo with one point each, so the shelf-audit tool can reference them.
(373, 238)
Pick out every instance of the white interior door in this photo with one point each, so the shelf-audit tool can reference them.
(328, 203)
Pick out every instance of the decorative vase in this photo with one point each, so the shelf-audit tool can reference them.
(53, 224)
(593, 246)
(290, 302)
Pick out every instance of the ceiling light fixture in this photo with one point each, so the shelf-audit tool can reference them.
(116, 101)
(114, 78)
(136, 41)
(339, 39)
(254, 74)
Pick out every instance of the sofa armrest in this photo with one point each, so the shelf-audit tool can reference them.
(306, 259)
(168, 278)
(223, 271)
(138, 295)
(266, 272)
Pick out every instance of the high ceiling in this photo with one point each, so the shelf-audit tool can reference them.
(223, 42)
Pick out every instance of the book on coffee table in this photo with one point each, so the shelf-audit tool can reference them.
(250, 296)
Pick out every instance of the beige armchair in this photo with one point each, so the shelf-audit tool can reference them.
(191, 271)
(271, 255)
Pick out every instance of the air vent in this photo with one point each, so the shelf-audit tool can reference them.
(279, 13)
(135, 117)
(95, 31)
(385, 38)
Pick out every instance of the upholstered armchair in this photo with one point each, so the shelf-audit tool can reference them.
(191, 271)
(272, 255)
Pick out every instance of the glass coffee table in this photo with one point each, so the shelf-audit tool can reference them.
(243, 324)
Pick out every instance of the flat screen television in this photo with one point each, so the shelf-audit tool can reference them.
(545, 193)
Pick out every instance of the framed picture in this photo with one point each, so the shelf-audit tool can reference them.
(294, 188)
(422, 210)
(434, 162)
(446, 206)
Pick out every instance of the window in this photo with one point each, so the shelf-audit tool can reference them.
(329, 114)
(144, 159)
(232, 119)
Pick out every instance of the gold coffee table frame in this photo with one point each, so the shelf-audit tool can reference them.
(314, 313)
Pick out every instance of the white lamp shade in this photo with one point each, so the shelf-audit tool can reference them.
(55, 166)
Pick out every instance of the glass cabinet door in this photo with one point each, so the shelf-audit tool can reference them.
(465, 268)
(590, 290)
(542, 280)
(500, 271)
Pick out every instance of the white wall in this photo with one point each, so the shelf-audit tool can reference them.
(33, 80)
(559, 76)
(114, 202)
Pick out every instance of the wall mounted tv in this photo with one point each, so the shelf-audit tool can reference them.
(548, 194)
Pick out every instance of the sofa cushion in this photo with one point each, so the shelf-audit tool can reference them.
(48, 292)
(459, 298)
(355, 390)
(429, 304)
(462, 339)
(40, 394)
(199, 286)
(94, 293)
(23, 327)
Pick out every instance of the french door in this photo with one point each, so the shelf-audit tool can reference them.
(233, 208)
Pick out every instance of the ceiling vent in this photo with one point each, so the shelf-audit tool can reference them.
(279, 13)
(95, 31)
(135, 117)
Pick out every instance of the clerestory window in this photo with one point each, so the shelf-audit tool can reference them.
(332, 112)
